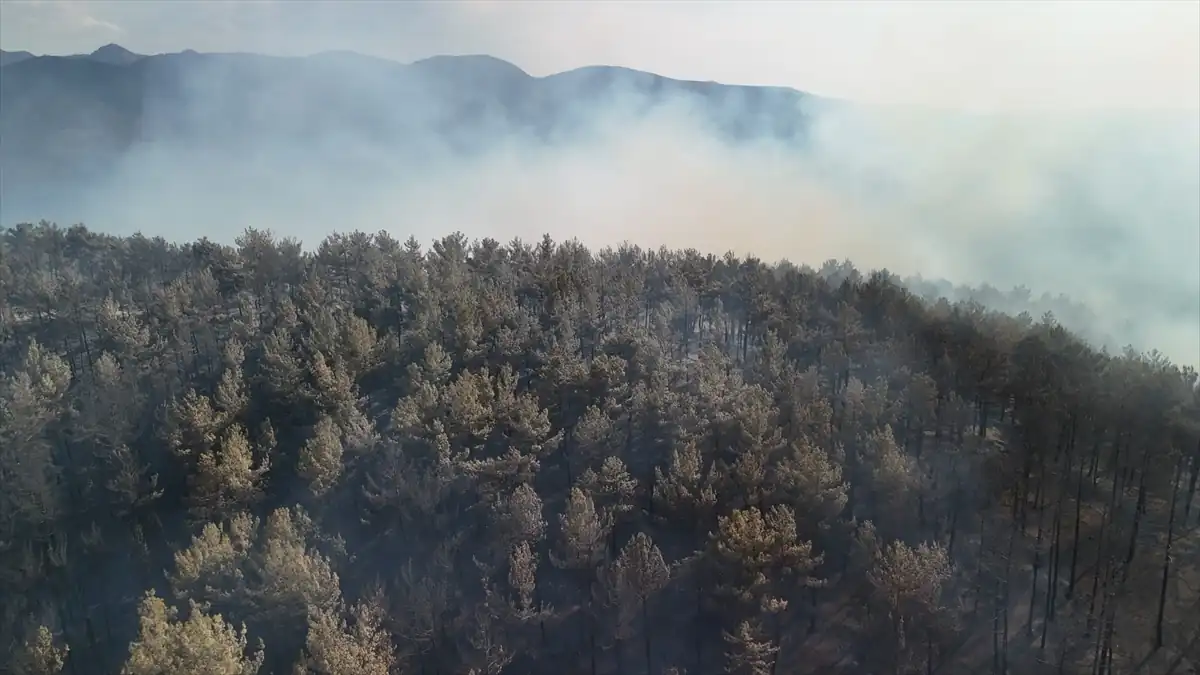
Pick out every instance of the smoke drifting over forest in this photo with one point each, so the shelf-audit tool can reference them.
(1101, 209)
(358, 404)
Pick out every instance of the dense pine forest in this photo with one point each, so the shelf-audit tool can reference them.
(375, 458)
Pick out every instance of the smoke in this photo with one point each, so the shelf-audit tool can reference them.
(1102, 208)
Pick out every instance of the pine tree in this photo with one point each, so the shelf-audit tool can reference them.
(200, 643)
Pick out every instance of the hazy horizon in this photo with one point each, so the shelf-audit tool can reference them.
(973, 55)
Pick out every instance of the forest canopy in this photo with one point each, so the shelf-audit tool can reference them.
(379, 458)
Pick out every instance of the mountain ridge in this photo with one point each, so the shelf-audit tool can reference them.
(197, 140)
(7, 58)
(70, 119)
(115, 54)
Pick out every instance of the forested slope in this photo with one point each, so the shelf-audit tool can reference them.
(72, 123)
(536, 458)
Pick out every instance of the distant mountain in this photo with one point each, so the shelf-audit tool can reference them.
(112, 54)
(7, 58)
(208, 143)
(66, 121)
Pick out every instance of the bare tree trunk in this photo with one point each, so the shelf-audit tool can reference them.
(1075, 537)
(592, 638)
(1105, 523)
(1098, 651)
(646, 632)
(1051, 582)
(1138, 510)
(1166, 573)
(1039, 507)
(1195, 477)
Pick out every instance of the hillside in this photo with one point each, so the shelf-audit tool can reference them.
(382, 458)
(75, 117)
(7, 58)
(185, 145)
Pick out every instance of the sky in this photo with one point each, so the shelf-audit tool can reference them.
(979, 55)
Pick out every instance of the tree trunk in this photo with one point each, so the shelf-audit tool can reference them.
(983, 417)
(1037, 550)
(592, 638)
(1051, 581)
(1012, 538)
(1075, 537)
(1192, 481)
(1166, 572)
(1106, 522)
(1138, 509)
(646, 632)
(1098, 651)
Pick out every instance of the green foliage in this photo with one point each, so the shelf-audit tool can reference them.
(361, 460)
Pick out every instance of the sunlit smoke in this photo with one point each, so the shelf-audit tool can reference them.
(1103, 209)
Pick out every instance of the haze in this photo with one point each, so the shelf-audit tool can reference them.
(989, 55)
(1077, 170)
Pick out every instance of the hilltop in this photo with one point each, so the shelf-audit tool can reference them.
(73, 117)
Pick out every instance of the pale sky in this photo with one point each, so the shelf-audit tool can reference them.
(984, 54)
